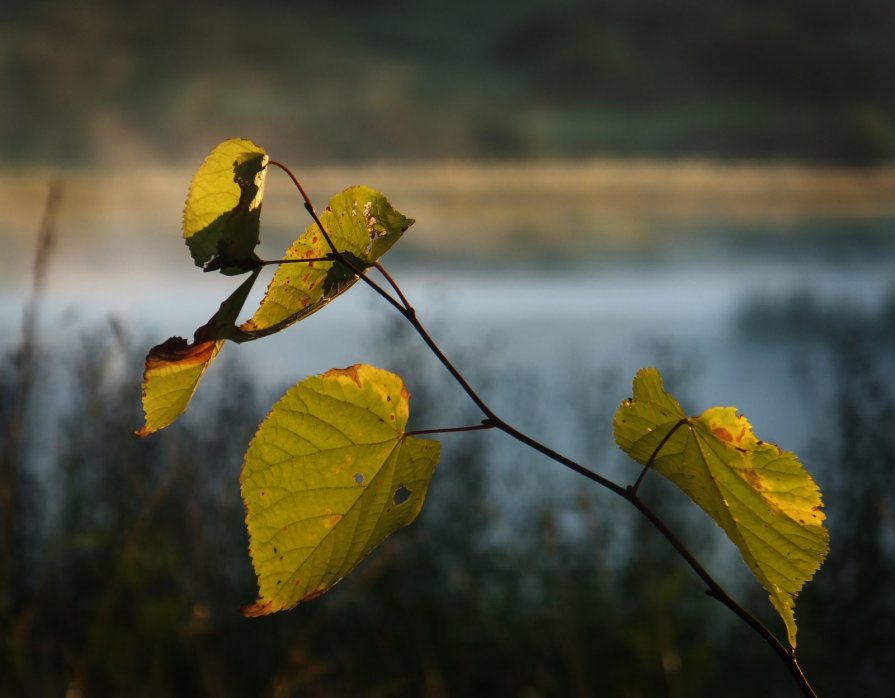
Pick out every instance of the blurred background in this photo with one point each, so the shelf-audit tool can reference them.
(708, 187)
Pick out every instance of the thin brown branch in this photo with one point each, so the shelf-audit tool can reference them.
(392, 283)
(309, 207)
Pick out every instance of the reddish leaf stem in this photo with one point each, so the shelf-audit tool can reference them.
(484, 424)
(391, 281)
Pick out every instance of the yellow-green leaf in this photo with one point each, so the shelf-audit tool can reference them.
(761, 496)
(362, 225)
(329, 475)
(222, 214)
(172, 374)
(174, 367)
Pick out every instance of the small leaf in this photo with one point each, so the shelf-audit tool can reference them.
(172, 374)
(761, 496)
(329, 475)
(362, 225)
(174, 368)
(223, 208)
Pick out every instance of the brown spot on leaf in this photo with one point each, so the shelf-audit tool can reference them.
(257, 609)
(176, 350)
(314, 594)
(754, 479)
(351, 372)
(723, 434)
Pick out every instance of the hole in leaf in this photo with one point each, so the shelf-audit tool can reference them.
(359, 478)
(402, 494)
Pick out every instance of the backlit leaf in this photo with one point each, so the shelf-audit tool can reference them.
(329, 475)
(761, 496)
(362, 225)
(175, 367)
(223, 208)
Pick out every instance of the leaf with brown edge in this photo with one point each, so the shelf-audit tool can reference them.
(172, 374)
(175, 367)
(329, 475)
(362, 225)
(762, 497)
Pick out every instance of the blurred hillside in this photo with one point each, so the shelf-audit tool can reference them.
(100, 81)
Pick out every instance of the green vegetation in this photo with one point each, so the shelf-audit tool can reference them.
(403, 80)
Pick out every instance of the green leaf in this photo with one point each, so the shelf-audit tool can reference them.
(329, 475)
(760, 495)
(223, 208)
(174, 368)
(362, 225)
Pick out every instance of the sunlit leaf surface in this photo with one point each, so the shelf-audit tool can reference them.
(221, 225)
(329, 475)
(362, 225)
(761, 496)
(174, 368)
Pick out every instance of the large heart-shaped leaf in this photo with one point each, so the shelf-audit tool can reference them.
(329, 475)
(761, 496)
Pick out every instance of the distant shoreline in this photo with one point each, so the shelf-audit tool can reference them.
(487, 206)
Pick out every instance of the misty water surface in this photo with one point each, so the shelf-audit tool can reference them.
(679, 308)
